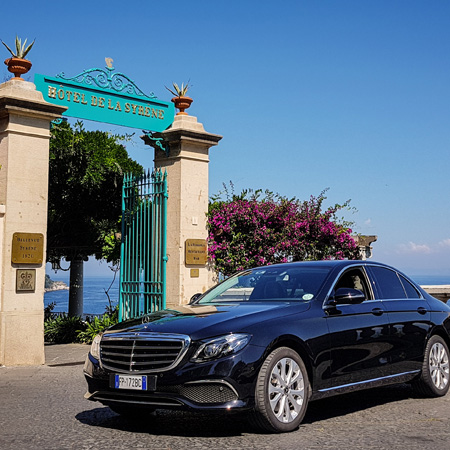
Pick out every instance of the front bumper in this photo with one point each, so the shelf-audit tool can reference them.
(225, 384)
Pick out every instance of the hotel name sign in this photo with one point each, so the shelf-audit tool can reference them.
(104, 96)
(196, 251)
(27, 248)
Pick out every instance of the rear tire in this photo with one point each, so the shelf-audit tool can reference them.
(282, 392)
(435, 378)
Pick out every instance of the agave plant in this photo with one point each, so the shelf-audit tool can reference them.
(21, 51)
(180, 91)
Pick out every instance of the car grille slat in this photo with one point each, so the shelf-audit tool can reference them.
(161, 355)
(136, 363)
(111, 354)
(142, 352)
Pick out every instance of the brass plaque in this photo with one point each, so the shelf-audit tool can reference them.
(26, 280)
(195, 273)
(27, 248)
(196, 252)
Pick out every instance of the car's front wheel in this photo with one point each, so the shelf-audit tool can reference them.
(435, 377)
(282, 391)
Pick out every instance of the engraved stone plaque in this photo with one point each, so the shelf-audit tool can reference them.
(26, 280)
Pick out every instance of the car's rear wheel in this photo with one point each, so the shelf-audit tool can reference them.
(282, 392)
(435, 378)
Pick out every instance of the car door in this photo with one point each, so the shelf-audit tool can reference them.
(409, 316)
(359, 333)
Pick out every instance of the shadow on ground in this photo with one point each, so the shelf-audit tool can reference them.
(170, 423)
(185, 424)
(342, 405)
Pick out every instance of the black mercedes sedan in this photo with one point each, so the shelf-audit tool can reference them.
(271, 339)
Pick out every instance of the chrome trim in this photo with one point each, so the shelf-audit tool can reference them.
(184, 339)
(368, 381)
(386, 300)
(143, 335)
(226, 383)
(149, 401)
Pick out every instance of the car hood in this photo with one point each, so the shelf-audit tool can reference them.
(201, 321)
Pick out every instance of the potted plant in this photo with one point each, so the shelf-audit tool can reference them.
(18, 65)
(181, 100)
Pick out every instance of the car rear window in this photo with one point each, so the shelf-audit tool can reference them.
(387, 283)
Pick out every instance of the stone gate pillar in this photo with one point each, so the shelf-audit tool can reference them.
(186, 163)
(24, 148)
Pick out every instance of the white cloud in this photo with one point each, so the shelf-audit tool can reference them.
(444, 243)
(412, 247)
(424, 249)
(368, 222)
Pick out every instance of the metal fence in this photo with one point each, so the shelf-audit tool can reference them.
(143, 251)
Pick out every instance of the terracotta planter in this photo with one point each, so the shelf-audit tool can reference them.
(182, 103)
(18, 67)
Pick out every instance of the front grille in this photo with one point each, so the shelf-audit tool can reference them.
(202, 392)
(142, 352)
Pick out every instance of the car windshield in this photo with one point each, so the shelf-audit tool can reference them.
(269, 284)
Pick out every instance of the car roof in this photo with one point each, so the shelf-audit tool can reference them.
(342, 263)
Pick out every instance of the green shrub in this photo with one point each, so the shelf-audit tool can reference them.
(98, 325)
(63, 329)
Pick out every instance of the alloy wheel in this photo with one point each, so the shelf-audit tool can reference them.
(439, 365)
(286, 390)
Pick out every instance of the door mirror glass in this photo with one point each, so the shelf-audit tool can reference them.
(348, 295)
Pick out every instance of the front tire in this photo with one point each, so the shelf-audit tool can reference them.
(435, 377)
(282, 392)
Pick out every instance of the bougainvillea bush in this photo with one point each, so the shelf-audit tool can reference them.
(256, 228)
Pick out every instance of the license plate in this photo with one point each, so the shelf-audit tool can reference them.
(130, 382)
(135, 382)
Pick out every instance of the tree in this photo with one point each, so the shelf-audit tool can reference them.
(84, 208)
(253, 229)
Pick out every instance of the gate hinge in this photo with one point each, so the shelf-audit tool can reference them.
(158, 141)
(58, 121)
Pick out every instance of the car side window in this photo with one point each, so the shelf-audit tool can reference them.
(388, 284)
(354, 279)
(411, 291)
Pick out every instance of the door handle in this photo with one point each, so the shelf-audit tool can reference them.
(422, 310)
(377, 311)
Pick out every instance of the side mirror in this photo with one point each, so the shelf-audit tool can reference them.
(348, 295)
(195, 297)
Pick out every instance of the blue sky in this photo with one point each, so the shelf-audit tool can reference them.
(353, 96)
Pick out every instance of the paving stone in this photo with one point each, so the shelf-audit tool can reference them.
(42, 407)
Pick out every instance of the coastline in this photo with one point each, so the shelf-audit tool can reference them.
(51, 285)
(57, 286)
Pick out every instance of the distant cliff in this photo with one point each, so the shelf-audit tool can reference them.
(51, 285)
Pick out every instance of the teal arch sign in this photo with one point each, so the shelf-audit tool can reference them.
(106, 96)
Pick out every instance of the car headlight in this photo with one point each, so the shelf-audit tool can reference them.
(221, 346)
(95, 347)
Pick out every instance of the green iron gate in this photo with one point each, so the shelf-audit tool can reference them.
(143, 252)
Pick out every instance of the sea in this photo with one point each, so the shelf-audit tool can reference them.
(95, 299)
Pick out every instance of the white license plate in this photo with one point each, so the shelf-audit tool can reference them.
(138, 383)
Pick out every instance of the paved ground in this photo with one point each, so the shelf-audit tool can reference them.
(42, 407)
